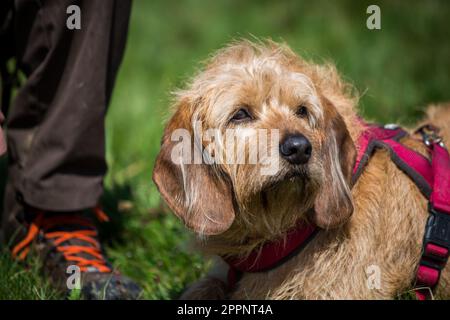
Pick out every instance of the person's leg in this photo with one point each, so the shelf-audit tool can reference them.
(55, 128)
(56, 135)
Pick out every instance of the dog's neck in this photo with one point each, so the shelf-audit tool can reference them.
(238, 241)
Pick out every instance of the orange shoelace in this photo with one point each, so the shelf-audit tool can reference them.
(70, 252)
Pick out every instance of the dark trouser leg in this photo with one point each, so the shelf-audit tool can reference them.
(56, 139)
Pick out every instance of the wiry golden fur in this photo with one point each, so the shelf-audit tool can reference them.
(235, 209)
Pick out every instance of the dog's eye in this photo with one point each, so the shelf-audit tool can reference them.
(241, 115)
(302, 111)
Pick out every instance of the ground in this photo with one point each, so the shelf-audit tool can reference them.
(398, 70)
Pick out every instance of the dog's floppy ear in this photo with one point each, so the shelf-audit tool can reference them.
(333, 205)
(196, 193)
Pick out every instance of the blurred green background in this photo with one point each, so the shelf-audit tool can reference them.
(398, 69)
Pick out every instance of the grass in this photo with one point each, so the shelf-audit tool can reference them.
(17, 282)
(399, 69)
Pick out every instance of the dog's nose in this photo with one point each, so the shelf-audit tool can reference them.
(296, 149)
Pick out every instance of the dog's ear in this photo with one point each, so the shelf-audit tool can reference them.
(333, 205)
(196, 193)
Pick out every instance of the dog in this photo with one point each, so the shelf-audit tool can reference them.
(235, 209)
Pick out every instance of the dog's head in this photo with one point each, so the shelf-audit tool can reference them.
(258, 138)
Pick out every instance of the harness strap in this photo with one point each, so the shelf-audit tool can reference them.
(367, 143)
(440, 198)
(436, 242)
(432, 179)
(415, 165)
(272, 254)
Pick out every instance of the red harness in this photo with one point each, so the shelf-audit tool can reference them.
(431, 177)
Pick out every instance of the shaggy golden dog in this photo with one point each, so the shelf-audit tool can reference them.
(236, 209)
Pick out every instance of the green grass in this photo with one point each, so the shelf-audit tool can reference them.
(17, 282)
(400, 69)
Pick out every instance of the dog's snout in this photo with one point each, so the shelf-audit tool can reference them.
(296, 149)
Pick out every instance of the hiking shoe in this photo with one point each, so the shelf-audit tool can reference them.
(69, 247)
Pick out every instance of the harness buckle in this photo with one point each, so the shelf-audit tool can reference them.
(430, 135)
(436, 245)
